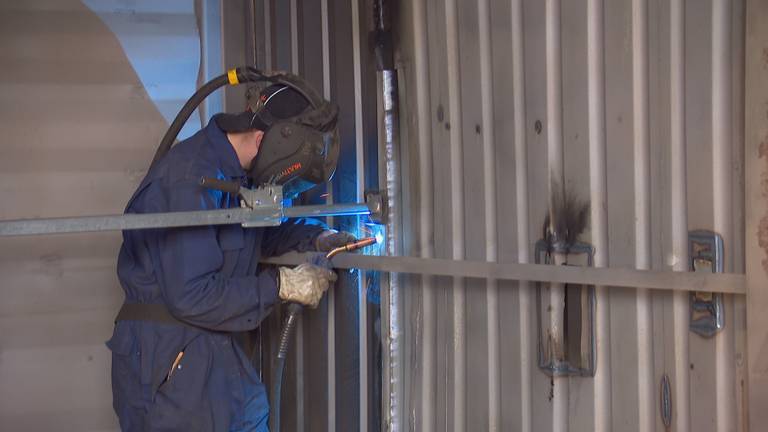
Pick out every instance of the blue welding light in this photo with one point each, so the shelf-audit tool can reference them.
(380, 237)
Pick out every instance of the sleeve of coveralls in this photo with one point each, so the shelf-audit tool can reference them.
(292, 235)
(194, 288)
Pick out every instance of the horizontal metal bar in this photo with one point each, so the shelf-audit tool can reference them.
(327, 210)
(260, 216)
(609, 277)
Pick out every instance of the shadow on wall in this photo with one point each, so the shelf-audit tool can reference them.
(81, 113)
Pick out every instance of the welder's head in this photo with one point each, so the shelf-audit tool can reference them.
(300, 146)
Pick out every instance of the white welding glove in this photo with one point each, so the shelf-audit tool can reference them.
(305, 283)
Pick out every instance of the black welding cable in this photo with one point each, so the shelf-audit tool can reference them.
(277, 375)
(186, 111)
(233, 77)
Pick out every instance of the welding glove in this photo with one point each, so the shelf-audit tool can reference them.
(329, 240)
(307, 282)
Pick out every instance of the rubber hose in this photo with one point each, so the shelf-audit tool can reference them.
(186, 111)
(277, 376)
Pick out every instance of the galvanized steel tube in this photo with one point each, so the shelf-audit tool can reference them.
(599, 208)
(641, 133)
(331, 326)
(681, 401)
(427, 395)
(555, 294)
(722, 184)
(489, 194)
(457, 214)
(521, 189)
(360, 195)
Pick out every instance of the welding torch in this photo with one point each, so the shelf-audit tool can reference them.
(292, 313)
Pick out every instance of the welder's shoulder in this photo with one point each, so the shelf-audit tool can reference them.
(188, 161)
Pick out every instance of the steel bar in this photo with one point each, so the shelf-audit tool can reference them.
(722, 203)
(642, 186)
(598, 186)
(425, 214)
(677, 354)
(261, 216)
(459, 323)
(730, 283)
(521, 212)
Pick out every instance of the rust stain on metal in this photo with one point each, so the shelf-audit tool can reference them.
(765, 58)
(762, 230)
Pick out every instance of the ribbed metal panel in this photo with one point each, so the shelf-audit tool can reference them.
(629, 103)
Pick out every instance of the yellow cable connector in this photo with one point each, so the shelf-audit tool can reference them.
(232, 75)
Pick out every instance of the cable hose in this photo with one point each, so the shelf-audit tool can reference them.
(244, 75)
(277, 376)
(186, 111)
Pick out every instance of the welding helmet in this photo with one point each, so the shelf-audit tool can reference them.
(300, 146)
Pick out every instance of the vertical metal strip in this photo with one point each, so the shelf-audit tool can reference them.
(294, 37)
(521, 183)
(599, 208)
(268, 34)
(326, 54)
(646, 388)
(556, 180)
(326, 50)
(489, 195)
(391, 320)
(722, 179)
(739, 219)
(300, 415)
(457, 214)
(679, 209)
(425, 214)
(360, 191)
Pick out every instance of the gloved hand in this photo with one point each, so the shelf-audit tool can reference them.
(307, 282)
(331, 239)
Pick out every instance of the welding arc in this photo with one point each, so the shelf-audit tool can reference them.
(293, 310)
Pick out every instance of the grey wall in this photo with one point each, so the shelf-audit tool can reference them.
(77, 131)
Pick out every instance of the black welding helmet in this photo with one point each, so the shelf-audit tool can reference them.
(300, 146)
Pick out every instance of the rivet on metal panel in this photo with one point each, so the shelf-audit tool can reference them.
(705, 251)
(538, 127)
(666, 401)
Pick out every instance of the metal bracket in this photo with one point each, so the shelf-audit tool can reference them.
(705, 253)
(375, 200)
(566, 316)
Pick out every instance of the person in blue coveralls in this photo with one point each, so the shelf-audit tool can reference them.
(175, 365)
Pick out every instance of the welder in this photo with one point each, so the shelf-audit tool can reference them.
(175, 365)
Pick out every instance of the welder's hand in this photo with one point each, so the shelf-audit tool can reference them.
(305, 284)
(331, 239)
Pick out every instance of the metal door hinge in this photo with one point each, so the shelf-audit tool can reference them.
(705, 253)
(566, 315)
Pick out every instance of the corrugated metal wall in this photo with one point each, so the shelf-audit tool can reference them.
(331, 373)
(77, 132)
(636, 105)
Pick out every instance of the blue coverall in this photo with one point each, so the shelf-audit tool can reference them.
(208, 277)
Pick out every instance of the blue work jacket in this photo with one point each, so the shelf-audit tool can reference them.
(207, 277)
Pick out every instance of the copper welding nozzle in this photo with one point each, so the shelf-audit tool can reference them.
(351, 246)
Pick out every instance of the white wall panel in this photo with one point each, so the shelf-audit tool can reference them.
(77, 131)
